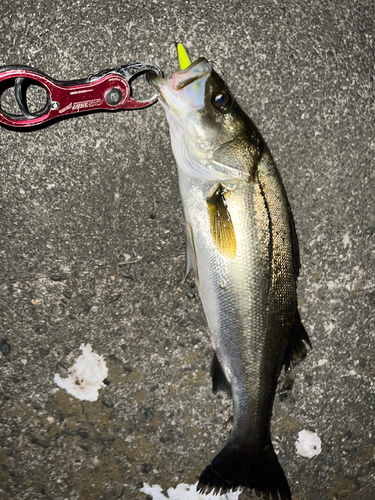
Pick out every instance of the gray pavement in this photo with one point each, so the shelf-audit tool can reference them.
(82, 198)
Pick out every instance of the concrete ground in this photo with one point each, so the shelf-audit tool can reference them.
(92, 249)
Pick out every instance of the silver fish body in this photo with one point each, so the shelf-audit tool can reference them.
(242, 246)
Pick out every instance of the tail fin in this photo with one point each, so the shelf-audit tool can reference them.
(236, 467)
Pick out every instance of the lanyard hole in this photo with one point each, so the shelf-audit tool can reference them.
(22, 98)
(8, 101)
(37, 99)
(32, 98)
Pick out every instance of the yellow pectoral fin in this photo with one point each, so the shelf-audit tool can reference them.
(221, 225)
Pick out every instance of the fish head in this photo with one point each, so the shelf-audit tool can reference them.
(204, 120)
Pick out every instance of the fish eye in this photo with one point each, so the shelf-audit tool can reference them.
(221, 100)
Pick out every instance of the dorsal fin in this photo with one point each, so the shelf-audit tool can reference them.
(296, 349)
(294, 240)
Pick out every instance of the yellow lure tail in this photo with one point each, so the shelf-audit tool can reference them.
(183, 58)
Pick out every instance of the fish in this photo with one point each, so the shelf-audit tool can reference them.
(242, 245)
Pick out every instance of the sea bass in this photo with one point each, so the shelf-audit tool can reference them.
(242, 246)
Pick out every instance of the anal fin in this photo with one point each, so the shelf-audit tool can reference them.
(219, 380)
(296, 349)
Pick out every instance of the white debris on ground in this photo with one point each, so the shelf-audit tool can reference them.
(308, 444)
(85, 376)
(185, 492)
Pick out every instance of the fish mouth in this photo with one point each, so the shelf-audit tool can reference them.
(168, 89)
(187, 81)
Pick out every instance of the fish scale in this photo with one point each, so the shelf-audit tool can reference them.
(236, 312)
(242, 246)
